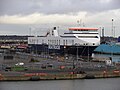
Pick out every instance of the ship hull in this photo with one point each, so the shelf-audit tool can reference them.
(61, 50)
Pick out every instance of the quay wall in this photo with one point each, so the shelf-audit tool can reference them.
(39, 76)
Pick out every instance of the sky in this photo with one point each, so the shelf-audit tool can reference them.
(35, 17)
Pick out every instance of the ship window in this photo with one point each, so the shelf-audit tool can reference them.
(52, 41)
(66, 42)
(75, 30)
(68, 36)
(42, 41)
(59, 42)
(86, 30)
(83, 30)
(96, 36)
(63, 42)
(82, 33)
(55, 42)
(48, 42)
(72, 42)
(88, 36)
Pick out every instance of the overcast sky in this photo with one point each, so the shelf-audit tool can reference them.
(18, 16)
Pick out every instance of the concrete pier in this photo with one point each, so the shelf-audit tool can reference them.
(60, 76)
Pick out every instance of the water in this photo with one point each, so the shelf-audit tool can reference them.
(91, 84)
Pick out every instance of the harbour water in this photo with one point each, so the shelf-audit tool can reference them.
(86, 84)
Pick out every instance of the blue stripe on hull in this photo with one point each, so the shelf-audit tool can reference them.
(74, 50)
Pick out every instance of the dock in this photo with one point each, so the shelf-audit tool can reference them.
(24, 67)
(8, 76)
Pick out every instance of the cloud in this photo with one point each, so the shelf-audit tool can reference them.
(15, 15)
(13, 7)
(105, 1)
(38, 18)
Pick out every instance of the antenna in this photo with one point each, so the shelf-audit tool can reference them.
(112, 27)
(83, 24)
(79, 22)
(100, 33)
(114, 31)
(30, 31)
(103, 32)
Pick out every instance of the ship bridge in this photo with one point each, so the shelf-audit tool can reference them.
(85, 34)
(82, 29)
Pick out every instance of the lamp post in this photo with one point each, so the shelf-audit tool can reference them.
(114, 31)
(88, 53)
(73, 65)
(36, 47)
(77, 53)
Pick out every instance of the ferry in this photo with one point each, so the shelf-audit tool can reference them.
(76, 41)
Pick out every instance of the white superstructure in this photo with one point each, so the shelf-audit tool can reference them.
(77, 36)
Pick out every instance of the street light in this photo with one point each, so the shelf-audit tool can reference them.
(88, 53)
(77, 53)
(73, 65)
